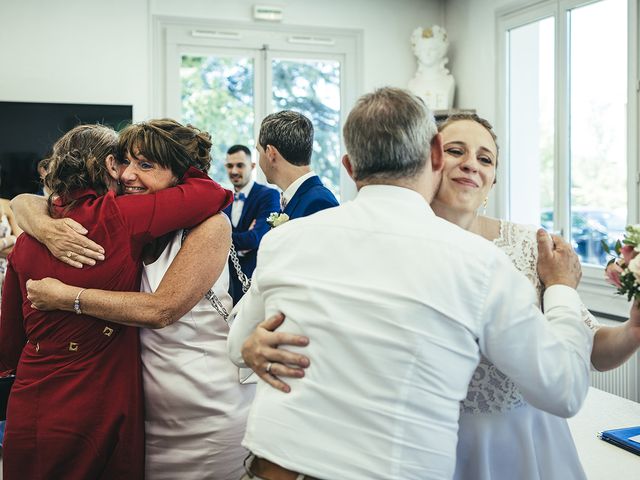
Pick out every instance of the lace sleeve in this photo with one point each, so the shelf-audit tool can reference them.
(521, 246)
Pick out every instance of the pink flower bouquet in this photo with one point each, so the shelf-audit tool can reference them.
(623, 271)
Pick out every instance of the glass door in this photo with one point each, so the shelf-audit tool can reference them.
(226, 80)
(311, 87)
(217, 94)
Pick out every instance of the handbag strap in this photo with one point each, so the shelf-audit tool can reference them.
(244, 280)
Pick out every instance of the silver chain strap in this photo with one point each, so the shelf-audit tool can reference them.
(217, 305)
(244, 280)
(211, 295)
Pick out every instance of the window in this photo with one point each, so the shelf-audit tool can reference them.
(216, 94)
(568, 121)
(531, 121)
(226, 78)
(598, 125)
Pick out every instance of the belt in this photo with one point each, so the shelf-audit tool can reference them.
(263, 468)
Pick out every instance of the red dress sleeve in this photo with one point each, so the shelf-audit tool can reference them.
(186, 205)
(12, 334)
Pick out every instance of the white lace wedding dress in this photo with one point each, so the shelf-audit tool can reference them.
(195, 406)
(500, 436)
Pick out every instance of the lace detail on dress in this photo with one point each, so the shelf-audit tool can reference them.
(490, 390)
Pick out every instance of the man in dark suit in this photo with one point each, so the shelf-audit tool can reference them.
(285, 145)
(252, 204)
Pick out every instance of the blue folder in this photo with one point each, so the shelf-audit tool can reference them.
(620, 438)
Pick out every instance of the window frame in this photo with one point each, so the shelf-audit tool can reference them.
(597, 295)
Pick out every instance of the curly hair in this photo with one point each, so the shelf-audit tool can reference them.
(168, 143)
(78, 162)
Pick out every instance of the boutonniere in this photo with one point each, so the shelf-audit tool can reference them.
(276, 219)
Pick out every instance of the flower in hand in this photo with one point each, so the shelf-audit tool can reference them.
(276, 219)
(623, 270)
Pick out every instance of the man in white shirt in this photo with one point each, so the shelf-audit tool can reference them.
(285, 145)
(399, 305)
(252, 205)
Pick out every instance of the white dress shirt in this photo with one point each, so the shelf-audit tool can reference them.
(398, 308)
(237, 205)
(291, 190)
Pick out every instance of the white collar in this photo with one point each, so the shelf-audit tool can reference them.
(293, 188)
(394, 193)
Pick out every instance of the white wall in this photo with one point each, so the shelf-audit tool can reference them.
(96, 51)
(471, 25)
(75, 51)
(386, 24)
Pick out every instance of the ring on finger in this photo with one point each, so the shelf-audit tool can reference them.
(269, 365)
(69, 254)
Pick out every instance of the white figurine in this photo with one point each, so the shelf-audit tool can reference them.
(432, 80)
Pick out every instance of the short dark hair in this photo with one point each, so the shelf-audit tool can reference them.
(239, 148)
(291, 133)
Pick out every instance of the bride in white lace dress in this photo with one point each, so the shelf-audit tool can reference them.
(501, 436)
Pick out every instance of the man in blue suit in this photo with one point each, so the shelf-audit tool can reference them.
(285, 145)
(252, 204)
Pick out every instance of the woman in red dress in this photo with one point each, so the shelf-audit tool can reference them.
(75, 411)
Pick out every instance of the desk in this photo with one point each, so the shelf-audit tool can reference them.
(604, 411)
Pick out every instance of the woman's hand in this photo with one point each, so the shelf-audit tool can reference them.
(65, 238)
(634, 323)
(7, 242)
(612, 274)
(51, 294)
(261, 353)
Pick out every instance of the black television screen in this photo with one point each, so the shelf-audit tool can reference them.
(29, 130)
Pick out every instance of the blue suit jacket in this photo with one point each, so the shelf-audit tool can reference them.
(311, 197)
(259, 204)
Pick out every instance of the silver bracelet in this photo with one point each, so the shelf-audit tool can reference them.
(76, 303)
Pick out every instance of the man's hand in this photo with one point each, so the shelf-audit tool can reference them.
(65, 238)
(558, 264)
(261, 353)
(51, 294)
